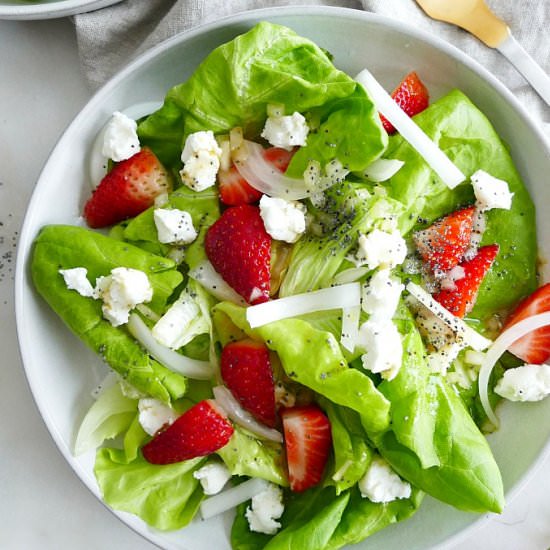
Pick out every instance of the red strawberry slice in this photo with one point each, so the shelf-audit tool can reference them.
(235, 190)
(308, 441)
(239, 248)
(411, 95)
(246, 371)
(534, 347)
(461, 299)
(127, 190)
(443, 244)
(200, 431)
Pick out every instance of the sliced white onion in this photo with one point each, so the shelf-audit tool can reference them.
(230, 498)
(383, 169)
(211, 280)
(432, 154)
(498, 347)
(233, 409)
(350, 327)
(192, 368)
(336, 297)
(147, 312)
(463, 332)
(350, 275)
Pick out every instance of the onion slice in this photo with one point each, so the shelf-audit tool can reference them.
(464, 332)
(383, 169)
(192, 368)
(498, 347)
(234, 410)
(432, 154)
(230, 498)
(212, 281)
(350, 327)
(336, 297)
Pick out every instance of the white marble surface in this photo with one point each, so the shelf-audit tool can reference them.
(42, 503)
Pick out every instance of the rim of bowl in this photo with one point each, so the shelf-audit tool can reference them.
(51, 10)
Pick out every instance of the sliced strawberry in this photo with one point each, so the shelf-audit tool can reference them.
(127, 190)
(239, 248)
(235, 190)
(411, 95)
(200, 431)
(246, 371)
(307, 441)
(534, 347)
(443, 244)
(461, 299)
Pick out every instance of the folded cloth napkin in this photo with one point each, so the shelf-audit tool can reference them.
(111, 37)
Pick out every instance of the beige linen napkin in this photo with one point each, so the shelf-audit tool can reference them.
(111, 37)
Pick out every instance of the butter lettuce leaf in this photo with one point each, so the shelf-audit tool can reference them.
(468, 138)
(270, 64)
(64, 247)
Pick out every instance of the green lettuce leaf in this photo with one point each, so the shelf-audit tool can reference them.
(469, 139)
(63, 247)
(270, 64)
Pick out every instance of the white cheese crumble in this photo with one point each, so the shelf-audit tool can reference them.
(526, 383)
(201, 160)
(382, 484)
(383, 347)
(170, 329)
(380, 296)
(491, 192)
(213, 477)
(266, 507)
(153, 415)
(174, 226)
(283, 220)
(121, 291)
(76, 279)
(286, 131)
(379, 248)
(120, 140)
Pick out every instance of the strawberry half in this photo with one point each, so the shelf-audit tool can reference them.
(127, 190)
(461, 299)
(444, 243)
(307, 441)
(411, 95)
(239, 248)
(246, 371)
(200, 431)
(235, 190)
(534, 347)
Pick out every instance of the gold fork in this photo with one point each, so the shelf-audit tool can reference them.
(476, 17)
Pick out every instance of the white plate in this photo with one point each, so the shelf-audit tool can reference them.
(62, 372)
(49, 9)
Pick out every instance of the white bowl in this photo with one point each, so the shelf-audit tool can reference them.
(49, 9)
(62, 372)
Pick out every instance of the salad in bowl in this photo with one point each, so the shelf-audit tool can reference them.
(311, 303)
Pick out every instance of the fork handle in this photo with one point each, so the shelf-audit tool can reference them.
(527, 66)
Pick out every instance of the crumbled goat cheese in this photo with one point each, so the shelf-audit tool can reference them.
(121, 291)
(201, 160)
(383, 347)
(153, 415)
(120, 140)
(174, 226)
(382, 484)
(213, 477)
(440, 360)
(380, 296)
(76, 279)
(267, 507)
(526, 383)
(283, 220)
(379, 248)
(491, 192)
(286, 131)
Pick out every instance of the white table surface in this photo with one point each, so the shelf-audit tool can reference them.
(42, 502)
